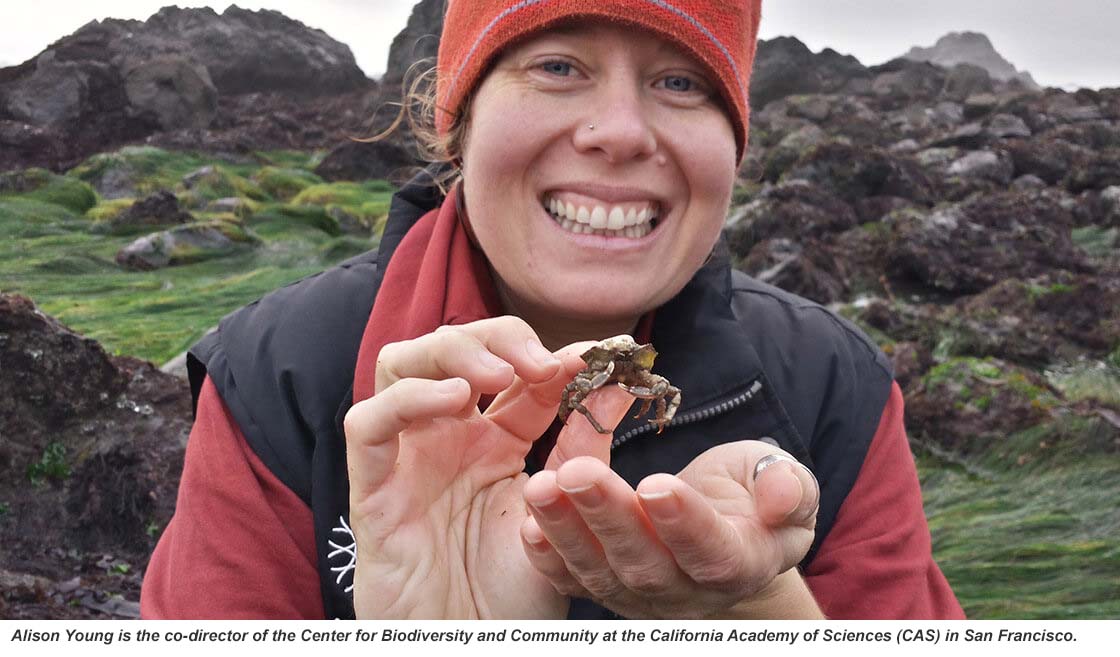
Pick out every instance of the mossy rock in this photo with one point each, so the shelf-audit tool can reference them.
(135, 171)
(277, 219)
(42, 185)
(968, 405)
(283, 184)
(213, 182)
(106, 211)
(359, 208)
(185, 245)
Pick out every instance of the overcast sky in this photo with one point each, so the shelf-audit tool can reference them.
(1061, 42)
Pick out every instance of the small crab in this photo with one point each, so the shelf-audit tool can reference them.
(627, 363)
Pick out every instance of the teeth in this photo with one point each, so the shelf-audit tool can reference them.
(615, 222)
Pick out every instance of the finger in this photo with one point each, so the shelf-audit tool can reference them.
(579, 438)
(526, 410)
(611, 510)
(487, 353)
(708, 548)
(562, 524)
(786, 493)
(548, 561)
(373, 427)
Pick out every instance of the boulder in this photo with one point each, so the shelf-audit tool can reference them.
(785, 66)
(972, 48)
(177, 91)
(184, 245)
(852, 172)
(158, 209)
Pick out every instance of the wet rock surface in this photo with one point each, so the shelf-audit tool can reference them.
(89, 462)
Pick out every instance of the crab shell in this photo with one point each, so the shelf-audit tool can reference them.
(622, 346)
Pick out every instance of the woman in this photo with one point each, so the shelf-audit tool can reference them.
(597, 145)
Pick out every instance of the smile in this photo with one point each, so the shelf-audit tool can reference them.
(632, 220)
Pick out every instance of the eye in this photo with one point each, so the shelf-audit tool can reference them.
(679, 83)
(557, 68)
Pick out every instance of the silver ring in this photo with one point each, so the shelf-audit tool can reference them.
(771, 459)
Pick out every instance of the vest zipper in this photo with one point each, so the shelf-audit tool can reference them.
(695, 416)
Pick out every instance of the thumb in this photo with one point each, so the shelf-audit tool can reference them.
(786, 492)
(608, 405)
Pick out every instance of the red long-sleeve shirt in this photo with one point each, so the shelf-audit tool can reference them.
(242, 544)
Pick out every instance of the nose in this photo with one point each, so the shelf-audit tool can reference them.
(617, 125)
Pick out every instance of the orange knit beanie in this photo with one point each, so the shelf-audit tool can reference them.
(719, 33)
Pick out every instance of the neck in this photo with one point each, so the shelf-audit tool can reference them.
(558, 332)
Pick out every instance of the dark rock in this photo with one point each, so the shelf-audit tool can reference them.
(175, 90)
(365, 161)
(1102, 170)
(417, 42)
(23, 146)
(903, 81)
(114, 427)
(1007, 125)
(851, 173)
(980, 105)
(795, 209)
(970, 136)
(965, 248)
(785, 67)
(783, 263)
(964, 80)
(1048, 159)
(971, 406)
(158, 209)
(909, 360)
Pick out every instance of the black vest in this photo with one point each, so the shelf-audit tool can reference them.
(752, 361)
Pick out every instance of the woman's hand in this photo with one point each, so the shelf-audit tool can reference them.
(710, 542)
(436, 488)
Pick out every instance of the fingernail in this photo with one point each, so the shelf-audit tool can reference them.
(589, 495)
(449, 386)
(663, 504)
(538, 353)
(490, 361)
(548, 508)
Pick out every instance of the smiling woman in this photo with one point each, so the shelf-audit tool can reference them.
(364, 439)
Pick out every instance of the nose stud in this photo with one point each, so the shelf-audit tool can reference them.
(591, 127)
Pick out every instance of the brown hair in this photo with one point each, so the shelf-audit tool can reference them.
(418, 108)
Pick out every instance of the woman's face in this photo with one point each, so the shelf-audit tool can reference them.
(602, 223)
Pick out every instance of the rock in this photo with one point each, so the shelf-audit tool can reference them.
(71, 406)
(158, 209)
(973, 48)
(967, 247)
(789, 150)
(979, 105)
(365, 161)
(783, 263)
(851, 173)
(418, 41)
(983, 164)
(23, 145)
(1049, 159)
(1007, 125)
(964, 80)
(794, 209)
(1109, 201)
(970, 136)
(909, 360)
(184, 245)
(785, 66)
(177, 91)
(971, 406)
(1099, 172)
(1028, 182)
(234, 205)
(904, 81)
